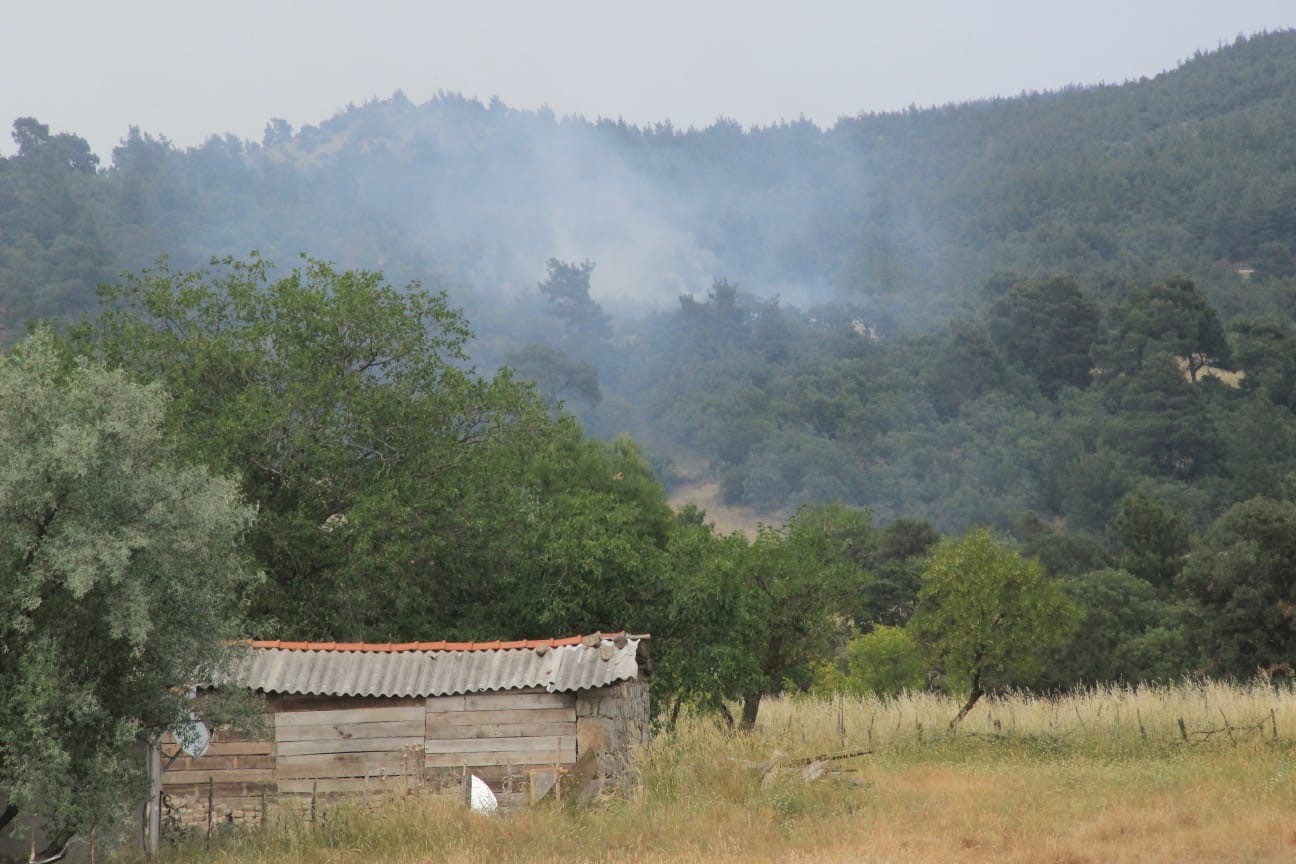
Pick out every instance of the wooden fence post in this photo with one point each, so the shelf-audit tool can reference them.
(211, 804)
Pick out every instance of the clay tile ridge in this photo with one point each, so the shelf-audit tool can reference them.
(397, 647)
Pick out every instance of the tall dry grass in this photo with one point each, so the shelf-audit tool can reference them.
(1103, 719)
(1107, 775)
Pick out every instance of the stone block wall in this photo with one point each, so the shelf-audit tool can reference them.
(611, 722)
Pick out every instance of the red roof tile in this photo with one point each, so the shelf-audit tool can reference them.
(388, 647)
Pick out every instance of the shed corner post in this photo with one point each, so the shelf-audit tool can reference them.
(153, 809)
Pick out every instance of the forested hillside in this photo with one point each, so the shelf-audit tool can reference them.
(1060, 325)
(918, 312)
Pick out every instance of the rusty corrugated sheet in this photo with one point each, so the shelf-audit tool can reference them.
(436, 673)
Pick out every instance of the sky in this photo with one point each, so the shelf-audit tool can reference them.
(187, 69)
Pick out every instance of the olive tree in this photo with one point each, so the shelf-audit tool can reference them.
(984, 610)
(121, 577)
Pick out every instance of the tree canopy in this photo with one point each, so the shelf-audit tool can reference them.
(985, 611)
(123, 570)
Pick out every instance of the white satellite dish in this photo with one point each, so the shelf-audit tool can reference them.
(482, 799)
(193, 737)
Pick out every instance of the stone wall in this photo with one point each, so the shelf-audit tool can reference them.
(611, 722)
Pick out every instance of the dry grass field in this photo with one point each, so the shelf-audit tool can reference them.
(1187, 773)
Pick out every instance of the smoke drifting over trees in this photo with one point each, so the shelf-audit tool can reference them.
(904, 311)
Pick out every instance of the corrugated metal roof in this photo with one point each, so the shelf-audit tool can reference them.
(429, 646)
(359, 669)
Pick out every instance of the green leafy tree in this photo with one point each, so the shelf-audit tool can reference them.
(744, 618)
(700, 642)
(1172, 317)
(559, 376)
(1047, 329)
(985, 612)
(895, 563)
(797, 578)
(1243, 576)
(384, 471)
(1153, 538)
(122, 571)
(567, 288)
(1127, 633)
(1164, 421)
(886, 661)
(1063, 553)
(1265, 349)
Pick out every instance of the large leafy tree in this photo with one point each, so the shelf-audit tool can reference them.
(121, 572)
(567, 288)
(744, 617)
(1243, 575)
(390, 479)
(1172, 317)
(985, 612)
(1128, 633)
(51, 249)
(1153, 537)
(1047, 329)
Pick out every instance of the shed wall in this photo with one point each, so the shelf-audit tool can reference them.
(327, 746)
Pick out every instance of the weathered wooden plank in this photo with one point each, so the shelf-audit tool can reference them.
(351, 715)
(292, 703)
(236, 775)
(439, 704)
(517, 776)
(209, 762)
(346, 765)
(351, 731)
(476, 718)
(563, 756)
(349, 745)
(546, 744)
(325, 786)
(228, 735)
(513, 700)
(500, 730)
(225, 748)
(500, 701)
(184, 790)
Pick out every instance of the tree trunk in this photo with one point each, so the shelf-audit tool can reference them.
(751, 705)
(8, 816)
(976, 694)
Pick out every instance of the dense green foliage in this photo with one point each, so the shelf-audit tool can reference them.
(984, 611)
(398, 492)
(122, 571)
(1066, 318)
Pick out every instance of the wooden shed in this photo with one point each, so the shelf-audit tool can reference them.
(372, 719)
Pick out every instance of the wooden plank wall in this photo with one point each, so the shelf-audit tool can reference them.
(500, 737)
(358, 748)
(326, 746)
(237, 771)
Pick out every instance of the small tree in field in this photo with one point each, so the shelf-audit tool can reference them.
(985, 610)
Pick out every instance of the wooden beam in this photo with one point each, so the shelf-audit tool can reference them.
(509, 745)
(499, 730)
(564, 756)
(237, 775)
(351, 731)
(226, 748)
(288, 749)
(286, 720)
(517, 715)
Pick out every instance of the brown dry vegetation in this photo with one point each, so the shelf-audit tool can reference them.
(1104, 777)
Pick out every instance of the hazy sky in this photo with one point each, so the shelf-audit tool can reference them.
(189, 68)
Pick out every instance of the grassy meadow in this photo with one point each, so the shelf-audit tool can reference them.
(1184, 773)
